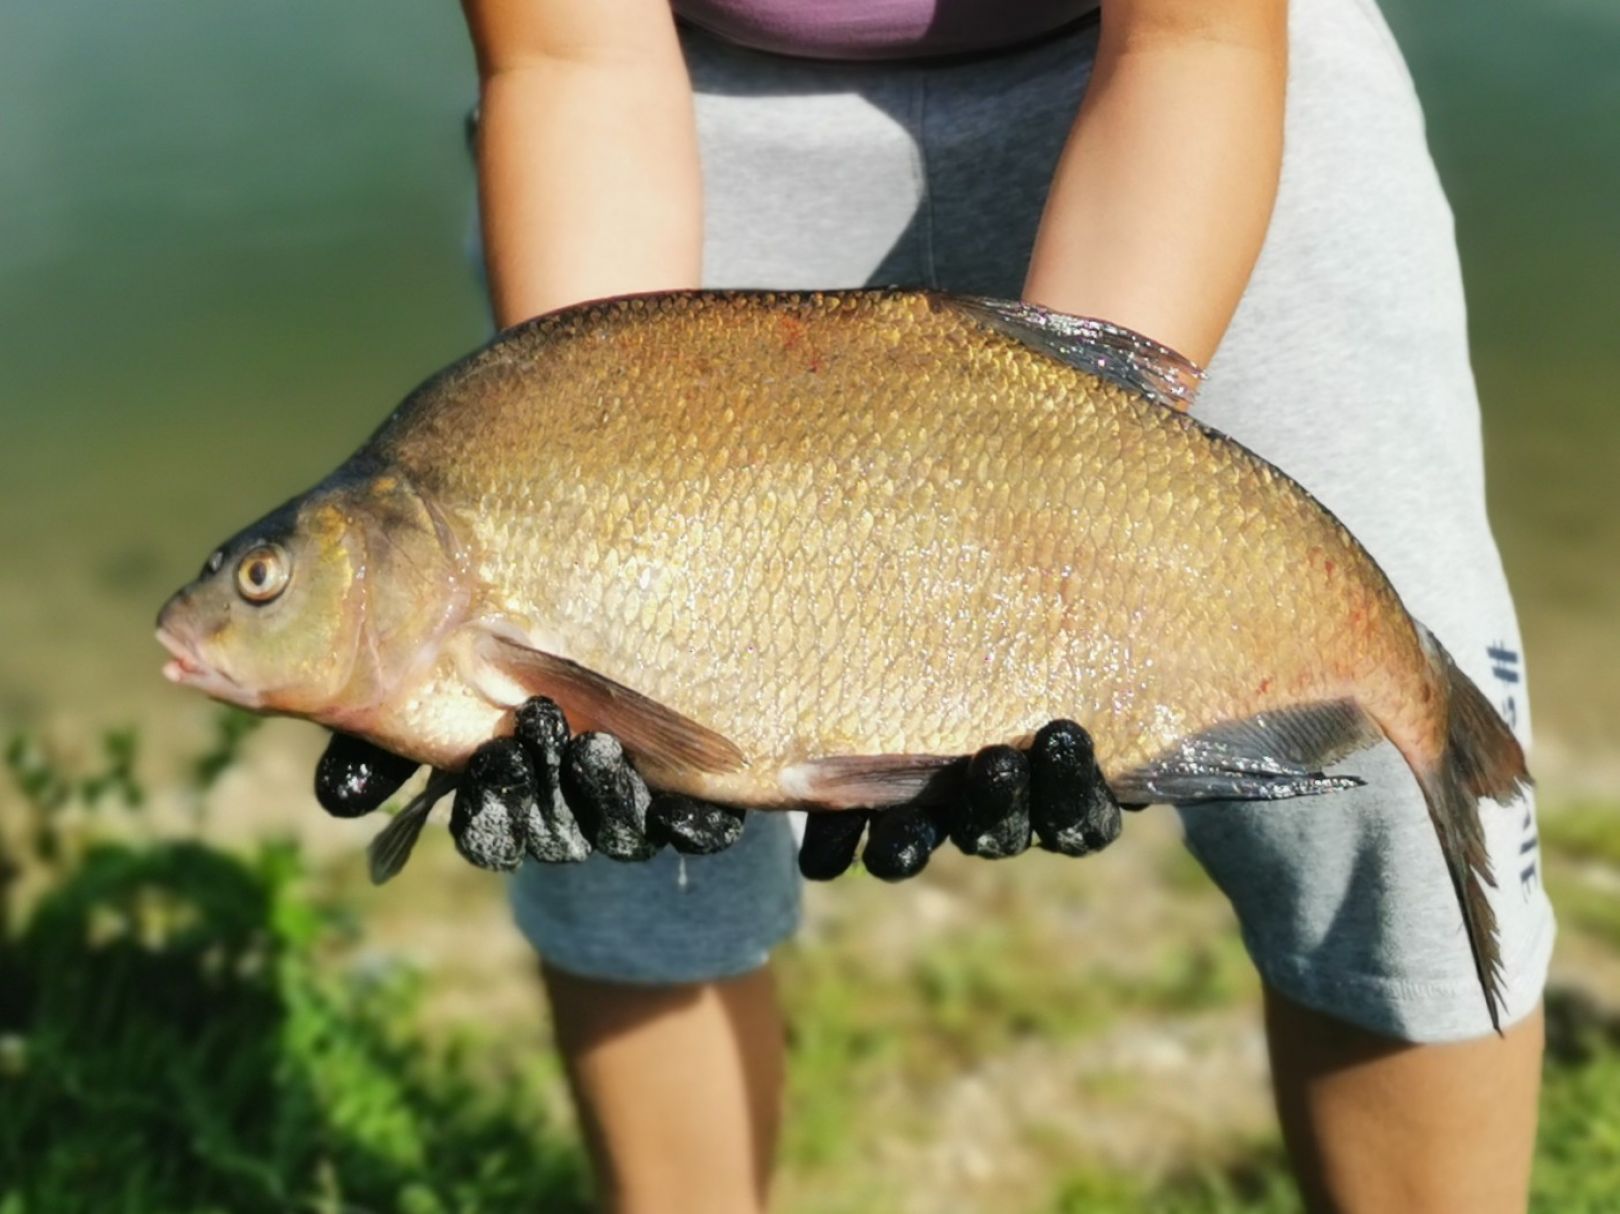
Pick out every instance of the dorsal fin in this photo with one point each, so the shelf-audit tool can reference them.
(1120, 356)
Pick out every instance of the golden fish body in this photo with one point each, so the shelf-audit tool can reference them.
(868, 524)
(810, 549)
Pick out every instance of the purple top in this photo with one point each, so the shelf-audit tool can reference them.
(880, 29)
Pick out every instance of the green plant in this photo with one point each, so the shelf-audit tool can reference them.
(175, 1038)
(232, 727)
(48, 790)
(172, 1044)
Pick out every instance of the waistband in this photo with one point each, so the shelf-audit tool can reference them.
(691, 30)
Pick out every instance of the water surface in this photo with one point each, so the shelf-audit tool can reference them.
(231, 237)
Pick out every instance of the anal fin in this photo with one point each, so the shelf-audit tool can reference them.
(1268, 757)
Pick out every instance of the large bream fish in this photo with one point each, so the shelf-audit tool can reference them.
(807, 549)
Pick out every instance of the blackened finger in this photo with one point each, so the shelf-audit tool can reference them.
(830, 842)
(354, 777)
(695, 828)
(493, 804)
(900, 842)
(540, 725)
(607, 796)
(553, 832)
(992, 818)
(1071, 806)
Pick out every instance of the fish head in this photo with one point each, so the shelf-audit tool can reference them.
(272, 620)
(322, 608)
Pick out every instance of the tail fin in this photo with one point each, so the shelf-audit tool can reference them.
(1482, 759)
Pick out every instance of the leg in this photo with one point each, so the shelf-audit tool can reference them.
(678, 1088)
(678, 1077)
(1374, 1124)
(666, 1015)
(1345, 906)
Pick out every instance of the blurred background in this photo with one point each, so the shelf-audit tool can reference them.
(231, 237)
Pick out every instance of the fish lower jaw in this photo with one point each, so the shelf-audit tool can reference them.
(185, 669)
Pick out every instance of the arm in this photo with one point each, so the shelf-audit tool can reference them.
(587, 152)
(1164, 189)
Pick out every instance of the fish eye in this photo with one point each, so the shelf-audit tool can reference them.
(262, 573)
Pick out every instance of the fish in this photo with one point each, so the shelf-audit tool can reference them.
(809, 549)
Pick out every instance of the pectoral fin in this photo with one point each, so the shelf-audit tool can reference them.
(648, 729)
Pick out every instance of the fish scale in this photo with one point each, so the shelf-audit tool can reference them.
(812, 549)
(798, 621)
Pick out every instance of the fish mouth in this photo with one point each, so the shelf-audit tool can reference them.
(186, 669)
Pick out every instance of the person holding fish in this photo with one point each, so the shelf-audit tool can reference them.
(1243, 181)
(1126, 168)
(786, 145)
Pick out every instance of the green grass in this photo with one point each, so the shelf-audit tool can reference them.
(171, 1041)
(1256, 1183)
(1578, 1161)
(185, 1030)
(1583, 908)
(861, 1017)
(1577, 1168)
(1586, 830)
(1582, 842)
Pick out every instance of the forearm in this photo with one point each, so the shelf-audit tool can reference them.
(1161, 198)
(588, 176)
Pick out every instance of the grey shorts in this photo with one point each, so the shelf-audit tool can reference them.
(1346, 364)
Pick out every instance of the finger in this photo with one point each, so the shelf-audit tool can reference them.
(992, 819)
(552, 833)
(900, 842)
(696, 828)
(354, 777)
(607, 796)
(495, 800)
(830, 840)
(1071, 806)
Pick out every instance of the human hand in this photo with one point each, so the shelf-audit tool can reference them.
(556, 797)
(1053, 794)
(541, 792)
